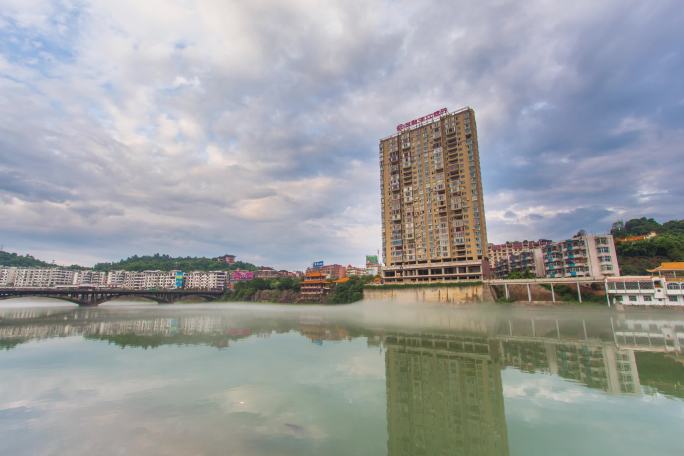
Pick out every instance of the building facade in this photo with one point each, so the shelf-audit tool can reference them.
(330, 271)
(659, 290)
(498, 252)
(582, 256)
(314, 286)
(206, 280)
(528, 261)
(90, 278)
(433, 221)
(39, 277)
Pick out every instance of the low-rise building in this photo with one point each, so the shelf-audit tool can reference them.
(228, 259)
(646, 290)
(353, 271)
(266, 272)
(206, 280)
(315, 285)
(331, 271)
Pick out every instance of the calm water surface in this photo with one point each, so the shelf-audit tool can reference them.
(366, 379)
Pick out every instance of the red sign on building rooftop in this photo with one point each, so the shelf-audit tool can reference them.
(420, 120)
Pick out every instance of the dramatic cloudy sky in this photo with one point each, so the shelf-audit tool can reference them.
(252, 127)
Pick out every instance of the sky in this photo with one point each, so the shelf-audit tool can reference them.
(198, 128)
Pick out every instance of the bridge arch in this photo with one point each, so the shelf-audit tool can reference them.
(97, 296)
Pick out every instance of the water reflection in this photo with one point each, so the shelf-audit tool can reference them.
(444, 387)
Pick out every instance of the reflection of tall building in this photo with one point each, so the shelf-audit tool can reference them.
(444, 396)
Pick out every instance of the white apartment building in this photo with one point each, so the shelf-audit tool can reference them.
(43, 277)
(206, 280)
(90, 278)
(7, 276)
(582, 256)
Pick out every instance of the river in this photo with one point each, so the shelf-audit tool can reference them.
(373, 378)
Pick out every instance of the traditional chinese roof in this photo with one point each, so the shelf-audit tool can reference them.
(669, 266)
(314, 275)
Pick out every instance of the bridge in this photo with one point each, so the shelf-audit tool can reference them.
(576, 281)
(91, 296)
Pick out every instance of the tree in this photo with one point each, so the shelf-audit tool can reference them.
(643, 225)
(618, 229)
(527, 274)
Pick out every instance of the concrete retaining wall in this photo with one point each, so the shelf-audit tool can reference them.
(470, 293)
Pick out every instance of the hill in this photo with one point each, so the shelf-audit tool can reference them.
(636, 257)
(169, 263)
(22, 261)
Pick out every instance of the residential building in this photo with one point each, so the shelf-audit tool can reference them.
(498, 252)
(7, 276)
(228, 259)
(433, 220)
(239, 275)
(582, 256)
(353, 271)
(266, 272)
(331, 271)
(531, 261)
(43, 277)
(373, 265)
(206, 280)
(90, 278)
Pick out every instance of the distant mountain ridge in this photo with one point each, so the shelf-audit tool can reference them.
(22, 261)
(134, 263)
(168, 263)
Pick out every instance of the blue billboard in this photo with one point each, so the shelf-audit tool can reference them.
(318, 264)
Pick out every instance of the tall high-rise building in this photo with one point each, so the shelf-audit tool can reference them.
(433, 221)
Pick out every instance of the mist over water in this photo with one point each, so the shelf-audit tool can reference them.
(370, 378)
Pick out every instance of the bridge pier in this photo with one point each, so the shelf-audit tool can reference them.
(553, 294)
(579, 293)
(508, 296)
(529, 293)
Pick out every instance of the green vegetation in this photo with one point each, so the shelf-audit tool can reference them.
(169, 263)
(638, 256)
(568, 293)
(521, 275)
(349, 291)
(247, 290)
(662, 372)
(22, 261)
(398, 286)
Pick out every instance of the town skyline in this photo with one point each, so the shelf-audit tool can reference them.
(180, 136)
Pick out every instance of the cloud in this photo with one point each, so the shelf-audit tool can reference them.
(201, 127)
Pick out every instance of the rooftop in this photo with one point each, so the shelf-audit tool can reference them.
(669, 266)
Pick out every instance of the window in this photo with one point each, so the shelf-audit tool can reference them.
(632, 298)
(647, 298)
(672, 298)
